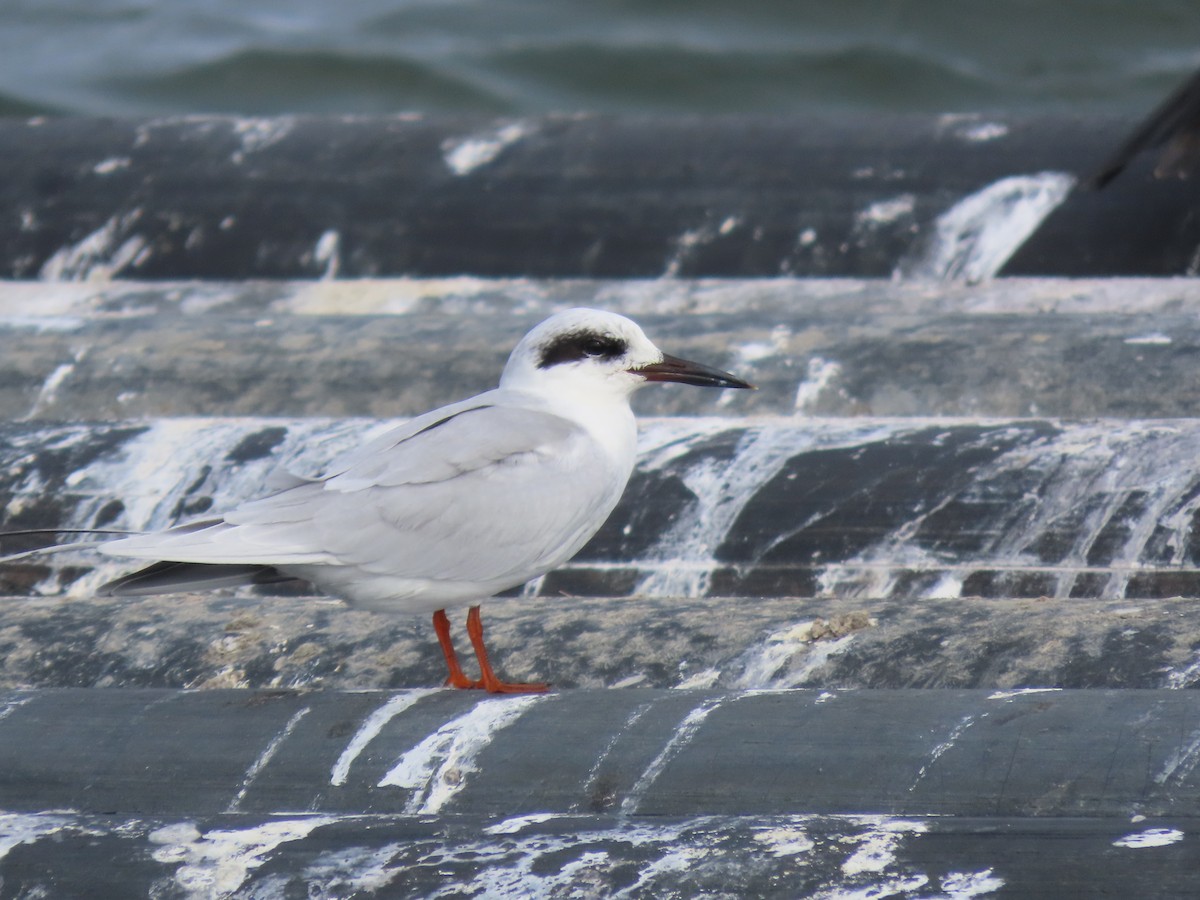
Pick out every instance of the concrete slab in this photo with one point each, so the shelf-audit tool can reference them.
(775, 794)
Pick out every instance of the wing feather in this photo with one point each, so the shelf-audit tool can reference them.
(479, 493)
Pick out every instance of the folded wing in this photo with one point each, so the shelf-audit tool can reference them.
(482, 493)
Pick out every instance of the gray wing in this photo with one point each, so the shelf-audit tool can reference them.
(281, 479)
(487, 493)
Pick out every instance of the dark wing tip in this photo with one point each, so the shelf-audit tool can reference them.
(175, 577)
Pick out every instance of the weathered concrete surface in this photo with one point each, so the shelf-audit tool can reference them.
(638, 752)
(734, 643)
(796, 506)
(772, 857)
(902, 522)
(604, 793)
(922, 544)
(879, 546)
(391, 348)
(220, 197)
(569, 196)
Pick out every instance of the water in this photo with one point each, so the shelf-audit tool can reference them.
(144, 57)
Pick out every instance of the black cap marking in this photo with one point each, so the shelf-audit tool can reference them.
(577, 345)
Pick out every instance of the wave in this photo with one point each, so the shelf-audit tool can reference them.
(19, 107)
(631, 78)
(259, 81)
(649, 79)
(785, 57)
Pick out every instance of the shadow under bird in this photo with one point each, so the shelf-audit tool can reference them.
(453, 506)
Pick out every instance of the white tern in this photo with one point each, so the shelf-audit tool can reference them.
(452, 506)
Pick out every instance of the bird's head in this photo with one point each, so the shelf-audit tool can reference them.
(589, 351)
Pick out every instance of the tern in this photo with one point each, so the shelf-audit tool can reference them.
(453, 506)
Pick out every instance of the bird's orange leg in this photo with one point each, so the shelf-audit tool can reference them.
(441, 627)
(489, 681)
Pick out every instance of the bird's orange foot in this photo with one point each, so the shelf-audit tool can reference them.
(495, 686)
(456, 678)
(491, 683)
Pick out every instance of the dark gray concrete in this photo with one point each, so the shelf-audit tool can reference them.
(881, 520)
(834, 516)
(778, 507)
(392, 348)
(677, 754)
(775, 857)
(937, 553)
(566, 196)
(649, 793)
(736, 643)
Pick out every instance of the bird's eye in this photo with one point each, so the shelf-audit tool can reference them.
(596, 347)
(574, 347)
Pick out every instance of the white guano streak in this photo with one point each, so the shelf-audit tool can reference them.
(49, 390)
(681, 738)
(722, 489)
(10, 706)
(28, 828)
(464, 155)
(877, 847)
(369, 730)
(1151, 837)
(974, 238)
(99, 255)
(436, 769)
(589, 782)
(265, 757)
(955, 733)
(1181, 763)
(216, 864)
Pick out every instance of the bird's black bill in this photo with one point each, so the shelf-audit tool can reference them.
(672, 368)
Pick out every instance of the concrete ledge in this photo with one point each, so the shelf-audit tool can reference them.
(919, 497)
(569, 196)
(1014, 347)
(774, 857)
(773, 507)
(734, 643)
(779, 794)
(679, 754)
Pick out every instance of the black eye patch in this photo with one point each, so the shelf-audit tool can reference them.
(581, 345)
